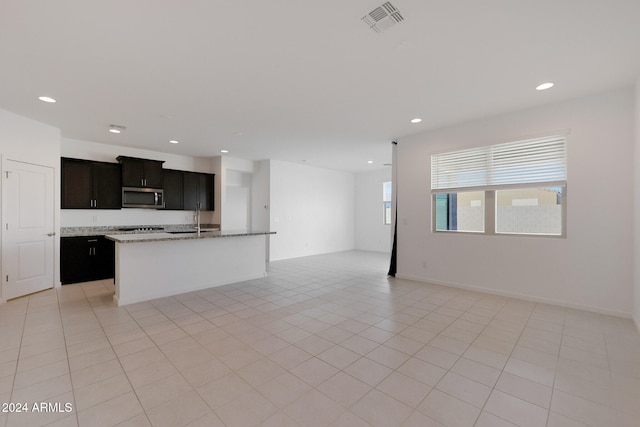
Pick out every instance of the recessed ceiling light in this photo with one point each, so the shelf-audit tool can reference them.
(544, 86)
(116, 129)
(369, 161)
(416, 120)
(224, 151)
(46, 99)
(173, 141)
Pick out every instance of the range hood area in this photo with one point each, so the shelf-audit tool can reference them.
(142, 183)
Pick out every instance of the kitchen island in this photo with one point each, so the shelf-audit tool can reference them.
(156, 265)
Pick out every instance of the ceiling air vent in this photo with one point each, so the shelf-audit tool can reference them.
(382, 18)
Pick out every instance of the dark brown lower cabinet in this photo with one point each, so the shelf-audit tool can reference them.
(83, 259)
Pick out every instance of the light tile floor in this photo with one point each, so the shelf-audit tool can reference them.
(323, 341)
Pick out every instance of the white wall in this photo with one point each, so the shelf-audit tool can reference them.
(216, 168)
(636, 216)
(29, 141)
(592, 268)
(104, 217)
(312, 210)
(371, 232)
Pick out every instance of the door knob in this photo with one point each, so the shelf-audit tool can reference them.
(51, 234)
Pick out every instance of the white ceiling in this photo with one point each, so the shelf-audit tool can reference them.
(301, 79)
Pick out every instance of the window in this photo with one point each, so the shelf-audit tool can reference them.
(463, 211)
(535, 210)
(513, 188)
(386, 202)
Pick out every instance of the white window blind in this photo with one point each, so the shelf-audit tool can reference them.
(540, 160)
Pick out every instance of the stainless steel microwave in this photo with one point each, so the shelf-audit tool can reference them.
(133, 197)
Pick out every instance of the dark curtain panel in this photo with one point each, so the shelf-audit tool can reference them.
(394, 186)
(394, 246)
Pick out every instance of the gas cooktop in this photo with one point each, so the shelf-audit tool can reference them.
(141, 228)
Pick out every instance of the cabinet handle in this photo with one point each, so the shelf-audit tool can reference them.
(95, 203)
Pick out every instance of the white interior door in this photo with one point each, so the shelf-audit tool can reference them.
(27, 228)
(236, 208)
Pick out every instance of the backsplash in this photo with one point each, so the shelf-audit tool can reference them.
(128, 217)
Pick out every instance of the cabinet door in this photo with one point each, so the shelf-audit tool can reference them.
(173, 188)
(103, 259)
(107, 186)
(132, 172)
(75, 259)
(191, 194)
(198, 189)
(206, 192)
(152, 174)
(77, 184)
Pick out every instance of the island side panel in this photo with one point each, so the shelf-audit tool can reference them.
(150, 270)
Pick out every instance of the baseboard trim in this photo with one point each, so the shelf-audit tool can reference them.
(526, 297)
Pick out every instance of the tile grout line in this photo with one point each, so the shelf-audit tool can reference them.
(555, 372)
(15, 374)
(64, 337)
(93, 310)
(493, 388)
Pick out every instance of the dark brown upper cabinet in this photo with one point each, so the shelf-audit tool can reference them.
(141, 172)
(90, 185)
(173, 189)
(198, 191)
(187, 190)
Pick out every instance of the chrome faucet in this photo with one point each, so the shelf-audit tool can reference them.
(198, 218)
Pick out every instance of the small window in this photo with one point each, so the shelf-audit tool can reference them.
(529, 211)
(386, 202)
(461, 211)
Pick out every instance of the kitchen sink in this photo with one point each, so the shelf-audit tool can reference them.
(204, 230)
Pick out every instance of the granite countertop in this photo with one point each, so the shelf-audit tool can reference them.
(132, 229)
(166, 236)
